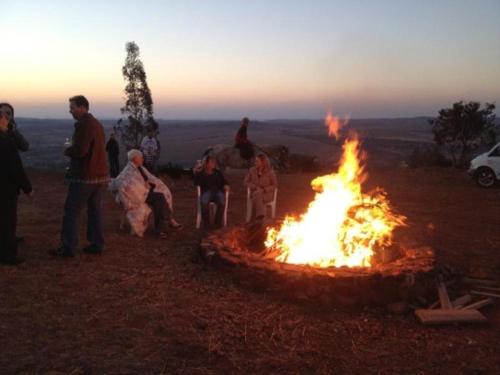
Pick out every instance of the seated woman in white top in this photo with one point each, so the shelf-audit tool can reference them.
(262, 181)
(140, 192)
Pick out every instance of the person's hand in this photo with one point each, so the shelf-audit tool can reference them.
(227, 188)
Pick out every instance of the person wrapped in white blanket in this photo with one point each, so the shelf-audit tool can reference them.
(139, 192)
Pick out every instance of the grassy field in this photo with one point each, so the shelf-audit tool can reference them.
(150, 306)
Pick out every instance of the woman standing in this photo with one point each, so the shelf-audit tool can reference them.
(262, 181)
(13, 179)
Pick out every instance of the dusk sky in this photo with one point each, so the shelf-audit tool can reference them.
(263, 59)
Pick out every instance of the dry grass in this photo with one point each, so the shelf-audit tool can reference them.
(149, 306)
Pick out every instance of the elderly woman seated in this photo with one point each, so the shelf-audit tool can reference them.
(139, 192)
(262, 181)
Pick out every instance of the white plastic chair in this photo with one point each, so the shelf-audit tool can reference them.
(271, 204)
(212, 207)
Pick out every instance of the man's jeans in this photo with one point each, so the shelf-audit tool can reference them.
(219, 199)
(79, 195)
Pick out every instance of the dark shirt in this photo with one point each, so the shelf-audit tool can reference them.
(12, 175)
(21, 143)
(210, 182)
(89, 162)
(241, 137)
(112, 147)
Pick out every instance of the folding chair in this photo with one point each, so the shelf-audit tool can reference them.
(211, 206)
(271, 204)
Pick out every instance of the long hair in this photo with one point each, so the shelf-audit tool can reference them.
(12, 122)
(205, 160)
(266, 164)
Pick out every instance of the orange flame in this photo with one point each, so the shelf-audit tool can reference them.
(342, 226)
(334, 124)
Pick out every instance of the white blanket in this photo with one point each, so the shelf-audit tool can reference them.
(131, 191)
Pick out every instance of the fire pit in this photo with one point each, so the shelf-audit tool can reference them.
(398, 274)
(341, 248)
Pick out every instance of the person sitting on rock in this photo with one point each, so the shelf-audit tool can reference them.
(262, 181)
(140, 192)
(242, 142)
(212, 184)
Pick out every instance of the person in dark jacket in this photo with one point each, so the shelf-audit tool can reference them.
(87, 178)
(113, 150)
(213, 184)
(13, 179)
(242, 142)
(21, 142)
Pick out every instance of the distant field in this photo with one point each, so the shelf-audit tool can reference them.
(387, 141)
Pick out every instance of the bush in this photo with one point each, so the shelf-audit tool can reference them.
(428, 156)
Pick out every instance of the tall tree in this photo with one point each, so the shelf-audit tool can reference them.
(138, 101)
(464, 127)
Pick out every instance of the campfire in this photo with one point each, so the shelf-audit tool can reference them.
(341, 248)
(342, 226)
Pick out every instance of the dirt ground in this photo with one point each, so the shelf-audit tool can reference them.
(150, 306)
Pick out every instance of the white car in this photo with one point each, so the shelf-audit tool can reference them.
(485, 168)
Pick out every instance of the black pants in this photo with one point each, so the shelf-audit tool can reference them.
(8, 223)
(114, 165)
(246, 151)
(161, 210)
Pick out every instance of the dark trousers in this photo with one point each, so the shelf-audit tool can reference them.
(8, 223)
(216, 197)
(114, 165)
(161, 210)
(246, 151)
(78, 196)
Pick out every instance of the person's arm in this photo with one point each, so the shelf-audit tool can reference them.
(82, 141)
(225, 182)
(21, 143)
(274, 182)
(17, 170)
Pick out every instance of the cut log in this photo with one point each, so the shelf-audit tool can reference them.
(443, 297)
(479, 304)
(442, 316)
(486, 294)
(461, 301)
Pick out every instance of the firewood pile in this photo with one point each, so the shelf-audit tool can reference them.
(471, 295)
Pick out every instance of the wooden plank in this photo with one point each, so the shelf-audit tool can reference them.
(461, 301)
(443, 297)
(492, 295)
(479, 304)
(441, 316)
(487, 282)
(488, 288)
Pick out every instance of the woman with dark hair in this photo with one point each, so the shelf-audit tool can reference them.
(212, 184)
(21, 142)
(262, 181)
(13, 179)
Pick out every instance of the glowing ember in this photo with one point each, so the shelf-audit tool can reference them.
(342, 226)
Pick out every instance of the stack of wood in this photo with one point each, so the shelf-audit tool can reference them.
(464, 309)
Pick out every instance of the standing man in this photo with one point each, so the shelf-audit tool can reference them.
(87, 177)
(13, 179)
(151, 150)
(113, 150)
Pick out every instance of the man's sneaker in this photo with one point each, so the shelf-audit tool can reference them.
(61, 252)
(91, 249)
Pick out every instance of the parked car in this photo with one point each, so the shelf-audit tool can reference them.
(485, 168)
